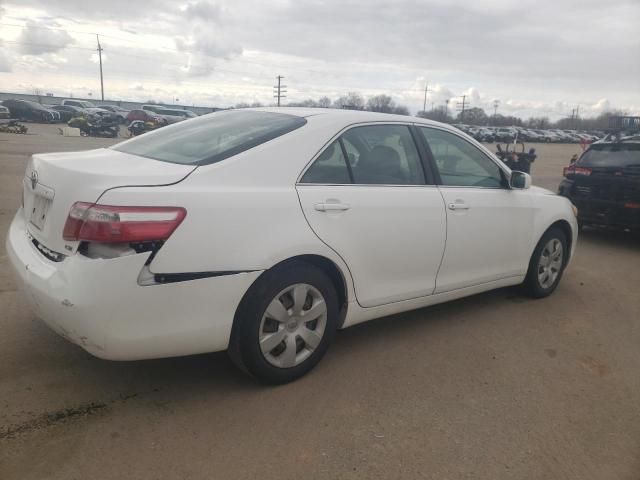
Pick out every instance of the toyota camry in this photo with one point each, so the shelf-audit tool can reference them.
(263, 231)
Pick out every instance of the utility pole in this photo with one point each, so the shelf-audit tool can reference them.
(279, 90)
(461, 106)
(496, 103)
(446, 109)
(100, 58)
(426, 90)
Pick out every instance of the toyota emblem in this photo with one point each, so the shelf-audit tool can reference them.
(34, 180)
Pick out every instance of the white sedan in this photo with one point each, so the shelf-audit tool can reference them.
(263, 231)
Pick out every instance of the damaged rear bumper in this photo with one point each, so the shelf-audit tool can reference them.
(99, 305)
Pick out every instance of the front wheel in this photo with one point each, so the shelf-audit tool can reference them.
(547, 264)
(285, 323)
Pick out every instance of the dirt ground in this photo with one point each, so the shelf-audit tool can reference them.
(490, 387)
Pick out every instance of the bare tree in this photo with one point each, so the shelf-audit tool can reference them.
(401, 110)
(381, 103)
(324, 102)
(350, 101)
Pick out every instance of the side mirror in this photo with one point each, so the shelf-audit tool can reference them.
(520, 180)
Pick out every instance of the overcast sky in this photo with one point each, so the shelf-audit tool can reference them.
(542, 57)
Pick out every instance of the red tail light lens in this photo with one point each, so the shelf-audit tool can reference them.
(115, 224)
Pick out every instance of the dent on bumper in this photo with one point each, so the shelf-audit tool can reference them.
(99, 305)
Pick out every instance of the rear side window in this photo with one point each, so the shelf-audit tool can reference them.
(211, 138)
(619, 155)
(383, 155)
(370, 155)
(329, 168)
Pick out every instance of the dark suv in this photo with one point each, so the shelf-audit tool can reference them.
(604, 183)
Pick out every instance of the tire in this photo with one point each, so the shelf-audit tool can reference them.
(293, 356)
(540, 283)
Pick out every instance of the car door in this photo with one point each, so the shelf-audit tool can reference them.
(489, 225)
(368, 198)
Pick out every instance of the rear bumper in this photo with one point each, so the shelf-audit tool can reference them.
(602, 212)
(99, 305)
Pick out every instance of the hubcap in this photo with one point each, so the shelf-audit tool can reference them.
(550, 263)
(293, 325)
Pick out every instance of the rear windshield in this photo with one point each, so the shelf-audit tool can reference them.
(611, 155)
(211, 138)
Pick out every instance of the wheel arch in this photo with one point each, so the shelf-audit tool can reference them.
(328, 266)
(565, 227)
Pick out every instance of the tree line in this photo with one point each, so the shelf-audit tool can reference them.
(472, 116)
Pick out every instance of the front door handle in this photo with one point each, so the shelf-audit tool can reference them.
(331, 206)
(458, 206)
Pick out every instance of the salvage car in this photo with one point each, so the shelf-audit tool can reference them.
(67, 112)
(145, 116)
(121, 113)
(604, 183)
(263, 231)
(25, 110)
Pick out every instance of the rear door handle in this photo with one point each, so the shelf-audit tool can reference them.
(458, 206)
(331, 206)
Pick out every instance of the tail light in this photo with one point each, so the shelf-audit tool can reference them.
(114, 224)
(573, 170)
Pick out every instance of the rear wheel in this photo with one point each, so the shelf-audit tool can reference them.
(547, 264)
(285, 323)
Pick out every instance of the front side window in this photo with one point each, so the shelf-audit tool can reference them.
(459, 162)
(383, 155)
(211, 138)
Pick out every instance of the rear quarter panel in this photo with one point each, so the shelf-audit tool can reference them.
(243, 213)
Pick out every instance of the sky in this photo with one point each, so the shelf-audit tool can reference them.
(536, 57)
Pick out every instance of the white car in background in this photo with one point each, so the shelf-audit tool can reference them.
(262, 231)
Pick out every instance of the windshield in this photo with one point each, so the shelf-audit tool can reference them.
(212, 137)
(611, 155)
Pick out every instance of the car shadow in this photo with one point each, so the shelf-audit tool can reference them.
(215, 371)
(607, 237)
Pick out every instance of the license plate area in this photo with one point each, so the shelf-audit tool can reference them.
(39, 211)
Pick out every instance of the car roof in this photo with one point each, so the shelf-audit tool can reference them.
(348, 116)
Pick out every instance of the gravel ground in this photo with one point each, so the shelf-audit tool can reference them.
(489, 387)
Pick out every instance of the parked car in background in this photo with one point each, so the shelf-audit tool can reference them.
(77, 103)
(120, 112)
(151, 108)
(157, 246)
(4, 112)
(604, 183)
(163, 112)
(176, 112)
(67, 112)
(505, 134)
(546, 136)
(145, 116)
(26, 110)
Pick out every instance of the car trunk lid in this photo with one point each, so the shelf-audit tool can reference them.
(53, 182)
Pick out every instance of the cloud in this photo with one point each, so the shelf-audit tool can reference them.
(536, 56)
(5, 65)
(37, 39)
(203, 11)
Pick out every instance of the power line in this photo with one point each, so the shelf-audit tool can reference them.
(279, 90)
(426, 90)
(100, 58)
(460, 106)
